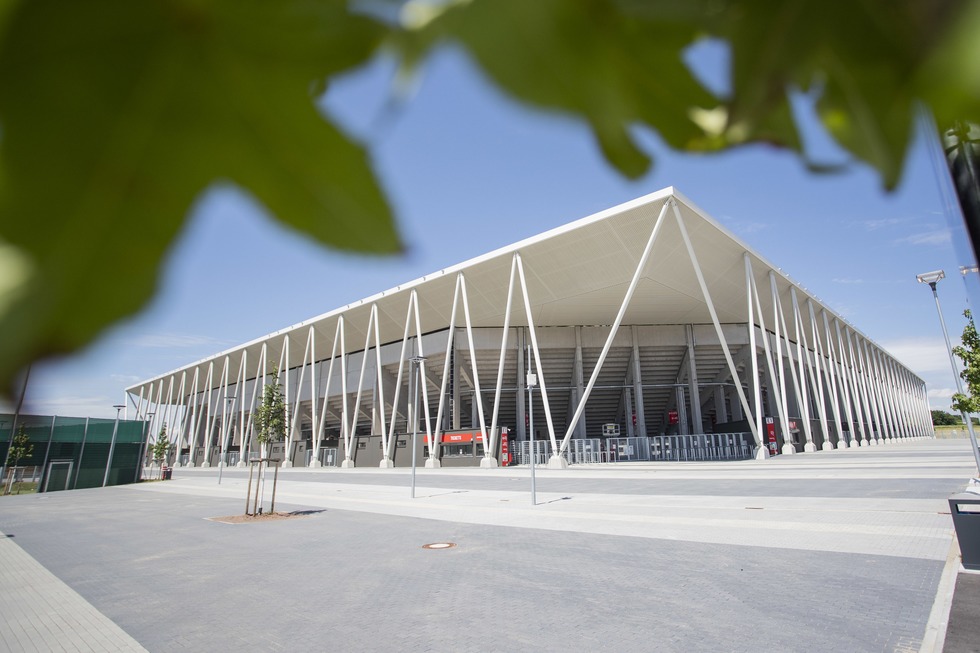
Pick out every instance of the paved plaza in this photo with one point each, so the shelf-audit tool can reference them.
(844, 551)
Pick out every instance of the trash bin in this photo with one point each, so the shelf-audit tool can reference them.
(166, 473)
(965, 509)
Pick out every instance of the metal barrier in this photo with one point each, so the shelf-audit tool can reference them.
(585, 451)
(628, 449)
(326, 455)
(678, 448)
(707, 446)
(522, 452)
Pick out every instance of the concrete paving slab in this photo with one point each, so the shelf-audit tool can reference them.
(611, 559)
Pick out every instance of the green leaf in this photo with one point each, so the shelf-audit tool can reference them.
(612, 68)
(116, 116)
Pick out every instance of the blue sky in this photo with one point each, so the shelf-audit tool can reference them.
(469, 170)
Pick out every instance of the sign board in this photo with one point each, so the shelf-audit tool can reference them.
(672, 417)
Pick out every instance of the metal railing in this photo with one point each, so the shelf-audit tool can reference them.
(702, 447)
(326, 455)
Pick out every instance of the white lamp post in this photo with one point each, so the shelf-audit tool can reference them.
(112, 444)
(932, 278)
(532, 380)
(416, 362)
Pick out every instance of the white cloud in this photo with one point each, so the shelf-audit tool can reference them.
(940, 237)
(924, 355)
(176, 341)
(941, 393)
(72, 406)
(873, 225)
(126, 379)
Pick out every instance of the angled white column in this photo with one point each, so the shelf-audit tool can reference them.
(352, 431)
(873, 394)
(641, 419)
(777, 383)
(799, 388)
(696, 421)
(761, 451)
(637, 273)
(294, 412)
(860, 391)
(578, 381)
(833, 371)
(556, 460)
(388, 439)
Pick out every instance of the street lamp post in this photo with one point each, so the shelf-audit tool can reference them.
(532, 380)
(416, 362)
(932, 278)
(112, 444)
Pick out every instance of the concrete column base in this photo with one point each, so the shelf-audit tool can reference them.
(221, 464)
(205, 464)
(761, 453)
(489, 463)
(175, 465)
(557, 462)
(788, 449)
(827, 446)
(386, 464)
(241, 463)
(842, 444)
(432, 463)
(315, 464)
(347, 464)
(809, 447)
(286, 464)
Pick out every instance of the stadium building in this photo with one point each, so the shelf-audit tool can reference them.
(644, 332)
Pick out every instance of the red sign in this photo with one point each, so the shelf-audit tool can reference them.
(504, 449)
(453, 438)
(771, 436)
(672, 417)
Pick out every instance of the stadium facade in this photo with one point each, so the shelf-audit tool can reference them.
(646, 330)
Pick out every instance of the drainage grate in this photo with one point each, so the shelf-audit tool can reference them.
(439, 545)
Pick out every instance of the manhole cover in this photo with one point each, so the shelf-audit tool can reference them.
(439, 545)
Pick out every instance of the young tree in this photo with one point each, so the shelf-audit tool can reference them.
(270, 418)
(161, 448)
(20, 448)
(969, 353)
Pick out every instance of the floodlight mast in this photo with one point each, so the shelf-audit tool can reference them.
(932, 278)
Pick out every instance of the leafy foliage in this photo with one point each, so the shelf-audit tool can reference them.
(116, 117)
(270, 417)
(969, 353)
(942, 418)
(621, 63)
(163, 446)
(20, 448)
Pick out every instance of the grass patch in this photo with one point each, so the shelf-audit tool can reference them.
(23, 487)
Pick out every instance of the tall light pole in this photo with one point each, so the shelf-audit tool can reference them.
(112, 444)
(532, 380)
(416, 362)
(932, 278)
